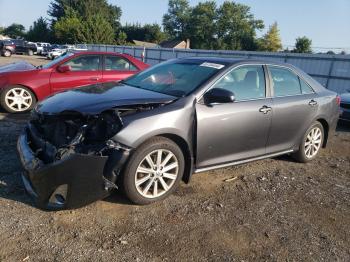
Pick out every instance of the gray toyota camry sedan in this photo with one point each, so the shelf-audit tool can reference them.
(147, 133)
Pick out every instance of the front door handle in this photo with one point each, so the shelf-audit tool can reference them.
(313, 103)
(265, 109)
(94, 78)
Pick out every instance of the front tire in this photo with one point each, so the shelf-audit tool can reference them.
(7, 53)
(311, 143)
(154, 171)
(17, 99)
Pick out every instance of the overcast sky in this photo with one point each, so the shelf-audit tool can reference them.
(326, 22)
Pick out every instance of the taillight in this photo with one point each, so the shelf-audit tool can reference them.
(338, 100)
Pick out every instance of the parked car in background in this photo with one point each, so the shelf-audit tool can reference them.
(7, 48)
(156, 128)
(345, 107)
(24, 47)
(56, 52)
(22, 84)
(40, 48)
(48, 49)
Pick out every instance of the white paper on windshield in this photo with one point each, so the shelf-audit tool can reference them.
(212, 65)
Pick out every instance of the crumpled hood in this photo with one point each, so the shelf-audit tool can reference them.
(94, 99)
(17, 66)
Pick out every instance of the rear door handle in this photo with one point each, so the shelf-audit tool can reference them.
(265, 109)
(94, 78)
(313, 103)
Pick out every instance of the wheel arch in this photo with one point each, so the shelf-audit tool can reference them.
(185, 148)
(325, 126)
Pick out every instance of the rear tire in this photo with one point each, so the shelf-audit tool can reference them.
(311, 143)
(154, 171)
(30, 52)
(17, 99)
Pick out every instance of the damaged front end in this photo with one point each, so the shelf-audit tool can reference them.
(70, 159)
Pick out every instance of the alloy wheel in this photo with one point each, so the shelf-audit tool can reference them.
(156, 173)
(313, 142)
(18, 99)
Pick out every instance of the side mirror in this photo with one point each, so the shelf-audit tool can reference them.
(64, 68)
(218, 95)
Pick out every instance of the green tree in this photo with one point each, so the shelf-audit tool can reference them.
(303, 45)
(153, 33)
(39, 31)
(122, 38)
(202, 28)
(237, 27)
(86, 8)
(86, 12)
(271, 41)
(15, 31)
(149, 33)
(96, 29)
(176, 21)
(67, 27)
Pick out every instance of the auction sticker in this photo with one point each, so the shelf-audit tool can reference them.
(212, 65)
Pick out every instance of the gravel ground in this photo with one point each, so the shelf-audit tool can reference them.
(270, 210)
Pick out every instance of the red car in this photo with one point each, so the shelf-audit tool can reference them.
(22, 84)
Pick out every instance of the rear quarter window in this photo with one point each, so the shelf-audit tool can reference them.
(285, 82)
(305, 88)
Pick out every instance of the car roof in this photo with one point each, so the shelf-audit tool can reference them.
(233, 61)
(88, 52)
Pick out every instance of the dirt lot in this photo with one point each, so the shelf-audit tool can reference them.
(35, 60)
(275, 210)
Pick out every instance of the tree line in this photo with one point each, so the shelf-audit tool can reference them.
(230, 26)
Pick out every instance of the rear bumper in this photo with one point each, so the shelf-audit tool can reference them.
(72, 182)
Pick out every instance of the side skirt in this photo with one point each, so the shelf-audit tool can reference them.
(204, 169)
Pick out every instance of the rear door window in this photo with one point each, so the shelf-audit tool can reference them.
(117, 63)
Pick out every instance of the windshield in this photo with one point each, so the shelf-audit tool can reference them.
(57, 60)
(176, 79)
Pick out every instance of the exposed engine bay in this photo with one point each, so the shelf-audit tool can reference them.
(73, 132)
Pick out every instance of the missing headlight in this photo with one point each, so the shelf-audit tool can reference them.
(103, 127)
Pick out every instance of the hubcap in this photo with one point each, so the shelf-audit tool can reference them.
(156, 173)
(313, 142)
(18, 99)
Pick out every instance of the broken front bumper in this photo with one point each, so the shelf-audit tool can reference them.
(72, 182)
